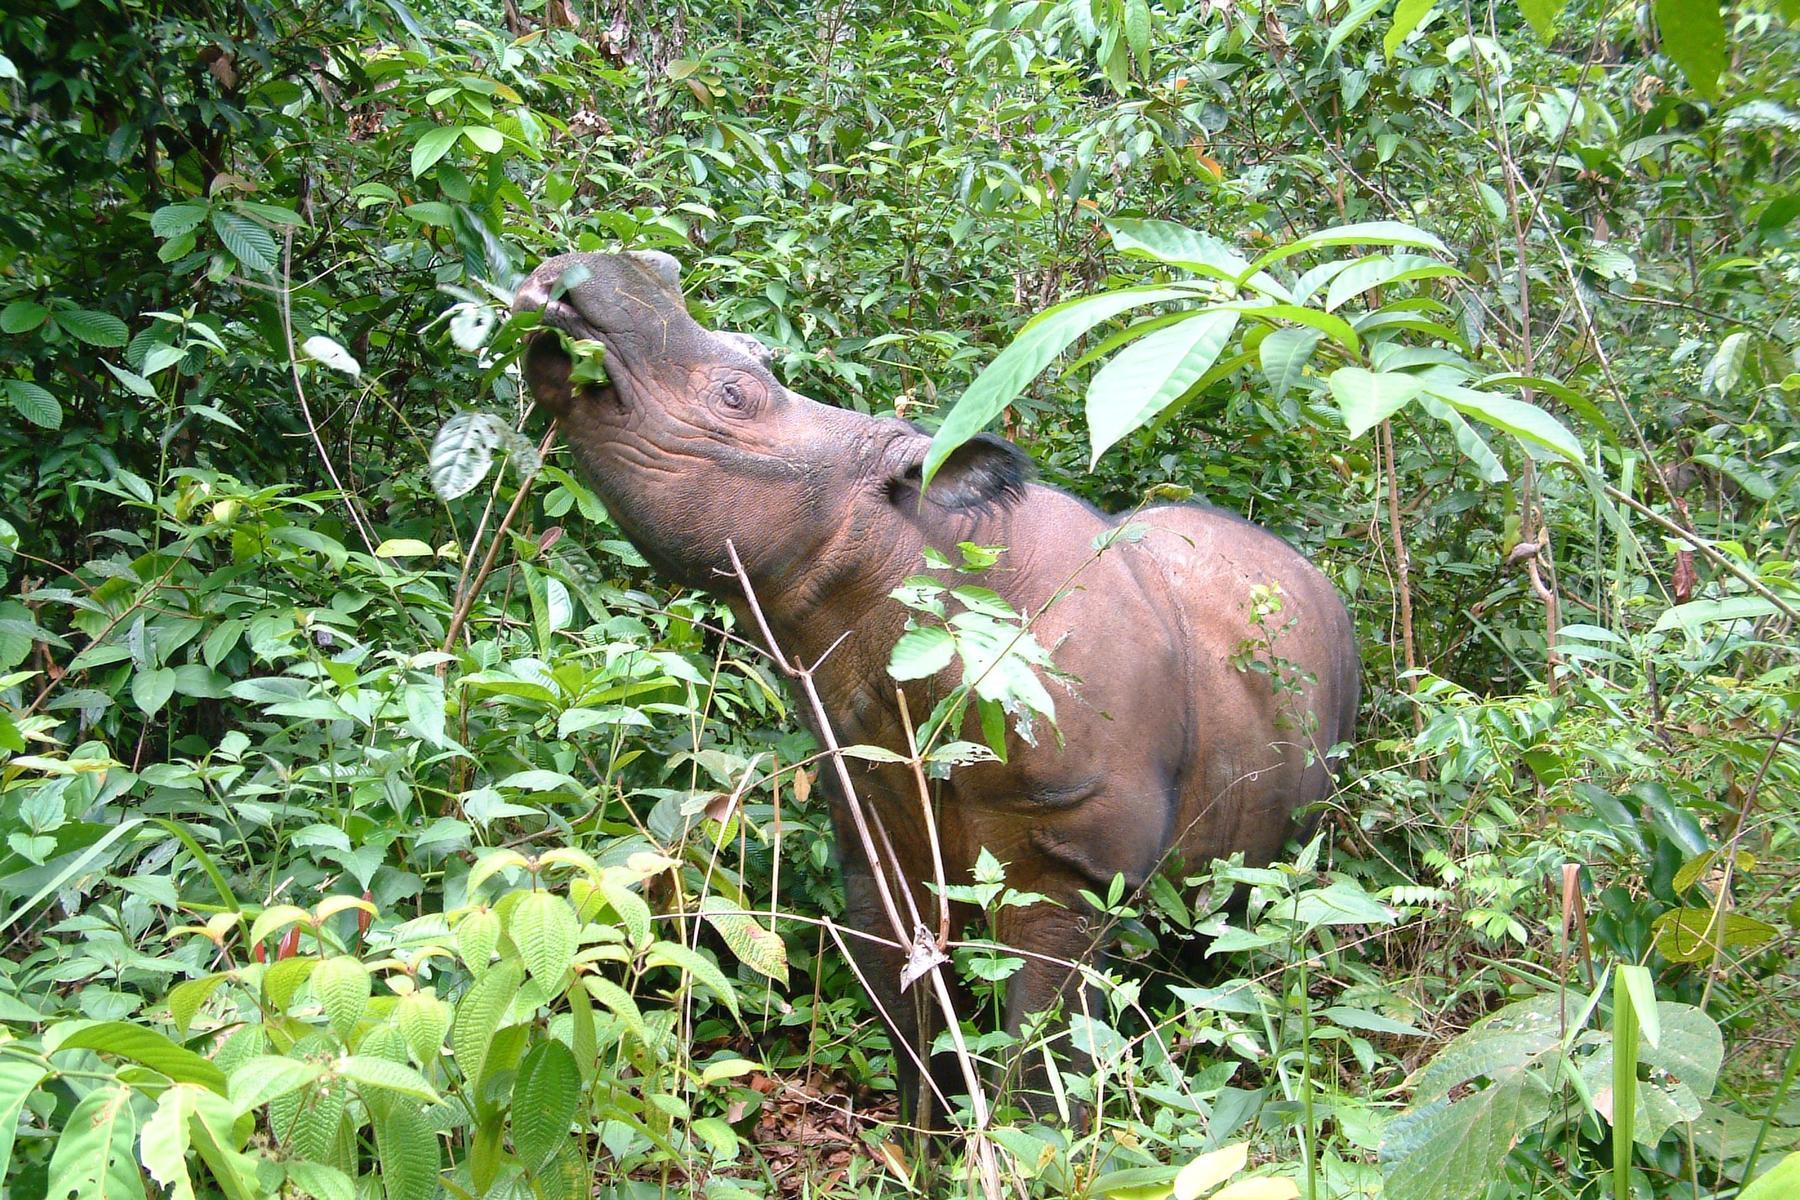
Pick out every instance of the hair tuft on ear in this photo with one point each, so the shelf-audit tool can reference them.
(985, 470)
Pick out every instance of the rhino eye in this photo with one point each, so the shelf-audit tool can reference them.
(732, 396)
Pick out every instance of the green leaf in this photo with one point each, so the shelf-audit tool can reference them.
(1452, 1150)
(341, 985)
(1487, 463)
(403, 548)
(1177, 245)
(1367, 233)
(406, 1149)
(1688, 935)
(1379, 269)
(423, 1020)
(1542, 14)
(630, 908)
(762, 950)
(34, 403)
(921, 652)
(1780, 1182)
(1367, 398)
(1696, 613)
(1407, 15)
(434, 145)
(150, 690)
(1047, 336)
(1150, 374)
(545, 1094)
(484, 138)
(1693, 34)
(248, 242)
(18, 1079)
(1527, 422)
(266, 1077)
(146, 1047)
(1355, 19)
(1284, 354)
(691, 962)
(93, 1155)
(477, 936)
(21, 316)
(94, 328)
(185, 998)
(478, 1016)
(367, 1071)
(1137, 31)
(619, 1002)
(320, 1181)
(545, 929)
(171, 220)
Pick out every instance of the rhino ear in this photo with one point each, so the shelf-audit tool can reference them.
(983, 470)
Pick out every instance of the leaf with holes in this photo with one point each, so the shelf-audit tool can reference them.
(463, 452)
(92, 1159)
(762, 950)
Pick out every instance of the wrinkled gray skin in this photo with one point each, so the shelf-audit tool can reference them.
(1170, 753)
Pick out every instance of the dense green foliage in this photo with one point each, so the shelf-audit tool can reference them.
(360, 841)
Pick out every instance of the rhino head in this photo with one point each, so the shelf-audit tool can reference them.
(694, 441)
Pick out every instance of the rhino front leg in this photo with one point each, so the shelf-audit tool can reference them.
(1051, 940)
(912, 1017)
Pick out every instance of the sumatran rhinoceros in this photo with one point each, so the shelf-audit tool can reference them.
(1167, 748)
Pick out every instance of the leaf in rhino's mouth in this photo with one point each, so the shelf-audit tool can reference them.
(587, 359)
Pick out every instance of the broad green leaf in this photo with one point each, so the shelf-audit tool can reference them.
(921, 652)
(1688, 935)
(1047, 336)
(478, 1015)
(367, 1071)
(406, 1151)
(1693, 34)
(1367, 398)
(463, 451)
(150, 690)
(432, 146)
(1696, 613)
(1407, 15)
(18, 1079)
(1683, 1067)
(164, 1147)
(619, 1002)
(1152, 373)
(1726, 367)
(693, 963)
(630, 908)
(1452, 1150)
(259, 1080)
(341, 985)
(94, 328)
(320, 1181)
(1780, 1182)
(545, 1094)
(173, 219)
(1366, 233)
(1526, 422)
(22, 316)
(544, 928)
(1209, 1170)
(146, 1047)
(762, 950)
(1178, 246)
(477, 935)
(1379, 269)
(1284, 354)
(34, 403)
(1542, 14)
(1335, 328)
(249, 243)
(1487, 463)
(423, 1020)
(92, 1159)
(485, 138)
(1355, 19)
(1137, 31)
(1519, 1033)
